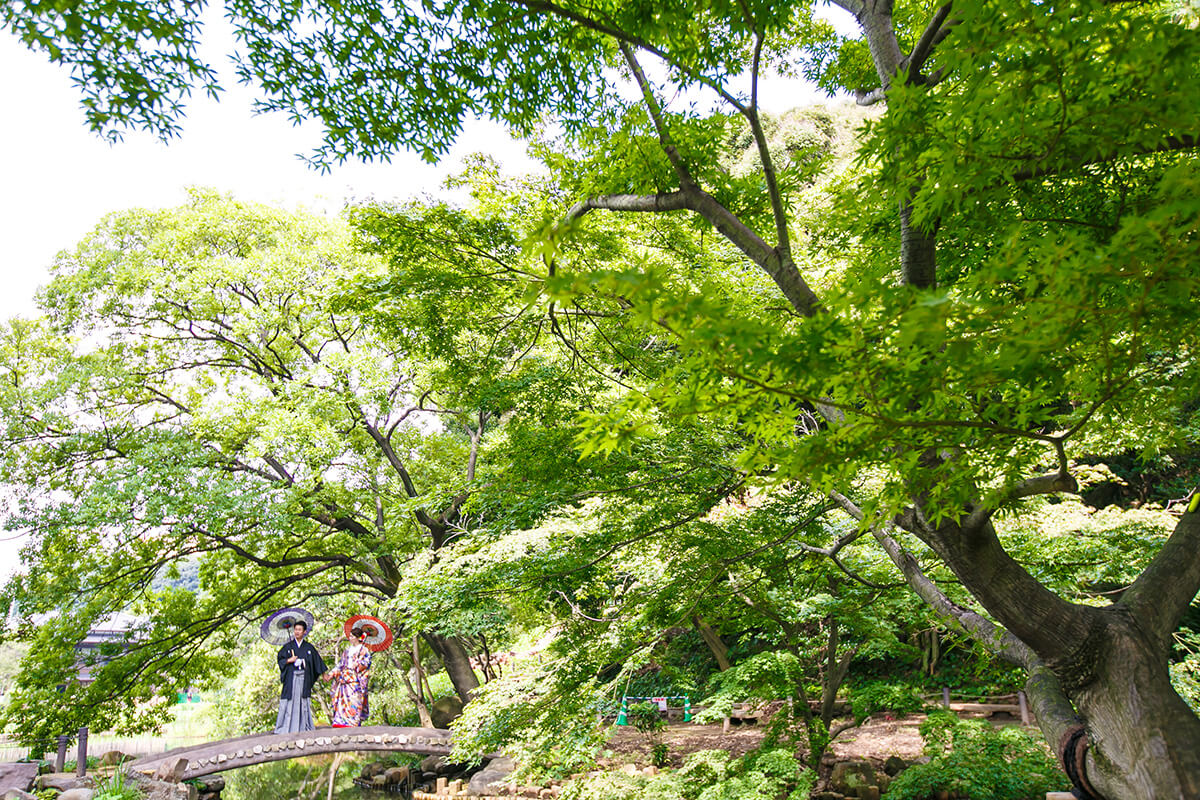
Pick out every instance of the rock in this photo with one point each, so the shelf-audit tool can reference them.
(545, 794)
(868, 793)
(152, 789)
(379, 780)
(445, 710)
(492, 777)
(396, 775)
(371, 770)
(17, 794)
(171, 771)
(630, 769)
(894, 766)
(77, 794)
(62, 781)
(850, 776)
(431, 763)
(827, 796)
(884, 781)
(112, 758)
(211, 783)
(650, 770)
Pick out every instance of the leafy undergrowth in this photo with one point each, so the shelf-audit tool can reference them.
(705, 775)
(970, 758)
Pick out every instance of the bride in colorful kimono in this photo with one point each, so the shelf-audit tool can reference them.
(349, 707)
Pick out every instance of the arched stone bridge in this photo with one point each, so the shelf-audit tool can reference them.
(245, 751)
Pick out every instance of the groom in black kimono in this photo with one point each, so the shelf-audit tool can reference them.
(299, 667)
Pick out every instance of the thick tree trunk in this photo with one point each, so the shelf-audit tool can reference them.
(1144, 739)
(1138, 738)
(713, 640)
(457, 662)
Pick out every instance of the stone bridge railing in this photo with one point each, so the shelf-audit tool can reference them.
(246, 751)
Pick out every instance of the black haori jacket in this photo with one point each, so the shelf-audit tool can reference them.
(313, 666)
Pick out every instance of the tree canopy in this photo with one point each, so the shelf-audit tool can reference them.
(1003, 291)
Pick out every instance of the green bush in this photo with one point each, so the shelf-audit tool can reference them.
(701, 770)
(901, 698)
(706, 775)
(970, 758)
(607, 786)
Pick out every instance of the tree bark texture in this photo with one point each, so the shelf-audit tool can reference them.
(713, 640)
(457, 662)
(1139, 739)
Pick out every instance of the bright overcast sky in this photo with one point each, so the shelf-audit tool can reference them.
(58, 179)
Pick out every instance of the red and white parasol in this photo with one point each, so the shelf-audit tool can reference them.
(379, 635)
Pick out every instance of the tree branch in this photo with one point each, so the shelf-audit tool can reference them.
(1050, 483)
(801, 297)
(1165, 589)
(1168, 144)
(995, 638)
(933, 34)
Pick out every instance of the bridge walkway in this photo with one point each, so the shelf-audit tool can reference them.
(261, 748)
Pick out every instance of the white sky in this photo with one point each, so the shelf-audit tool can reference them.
(57, 180)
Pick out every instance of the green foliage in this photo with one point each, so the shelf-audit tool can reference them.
(1185, 669)
(900, 698)
(547, 725)
(115, 788)
(1048, 147)
(647, 719)
(706, 775)
(973, 759)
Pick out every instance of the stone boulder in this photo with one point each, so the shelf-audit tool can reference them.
(112, 758)
(211, 783)
(493, 776)
(18, 794)
(445, 710)
(77, 794)
(439, 765)
(849, 777)
(62, 781)
(154, 789)
(396, 775)
(894, 765)
(371, 770)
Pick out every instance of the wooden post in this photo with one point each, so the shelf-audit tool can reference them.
(337, 762)
(946, 696)
(1024, 703)
(81, 756)
(60, 760)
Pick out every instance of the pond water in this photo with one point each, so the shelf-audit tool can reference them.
(304, 779)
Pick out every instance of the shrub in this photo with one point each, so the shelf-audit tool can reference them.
(705, 775)
(701, 770)
(970, 758)
(869, 698)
